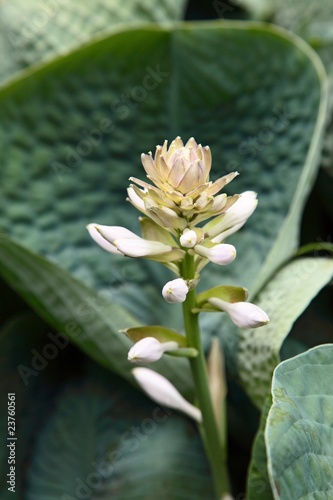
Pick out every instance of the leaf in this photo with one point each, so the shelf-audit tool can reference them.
(105, 440)
(160, 333)
(72, 416)
(258, 484)
(227, 293)
(29, 368)
(299, 430)
(79, 313)
(31, 31)
(104, 104)
(284, 298)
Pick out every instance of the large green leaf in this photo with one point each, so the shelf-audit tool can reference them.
(299, 430)
(284, 298)
(31, 31)
(83, 316)
(78, 422)
(64, 164)
(111, 442)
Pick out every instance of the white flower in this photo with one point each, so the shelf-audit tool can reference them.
(188, 239)
(243, 314)
(221, 254)
(233, 219)
(119, 240)
(164, 393)
(175, 291)
(149, 349)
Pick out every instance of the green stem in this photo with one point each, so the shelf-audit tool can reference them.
(215, 448)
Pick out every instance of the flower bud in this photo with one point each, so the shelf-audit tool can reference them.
(119, 240)
(243, 314)
(221, 254)
(149, 349)
(233, 219)
(175, 291)
(102, 242)
(160, 390)
(188, 239)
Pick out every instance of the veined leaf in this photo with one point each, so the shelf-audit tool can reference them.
(299, 430)
(32, 31)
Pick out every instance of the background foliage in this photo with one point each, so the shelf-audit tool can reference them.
(85, 88)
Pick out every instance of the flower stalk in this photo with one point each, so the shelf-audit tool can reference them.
(215, 444)
(175, 232)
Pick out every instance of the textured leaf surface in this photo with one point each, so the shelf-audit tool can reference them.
(258, 485)
(81, 314)
(311, 20)
(284, 298)
(65, 165)
(113, 443)
(31, 31)
(299, 430)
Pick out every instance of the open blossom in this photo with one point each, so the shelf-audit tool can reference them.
(149, 349)
(164, 393)
(243, 314)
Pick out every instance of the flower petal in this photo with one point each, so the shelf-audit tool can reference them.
(237, 214)
(100, 240)
(222, 254)
(243, 314)
(141, 248)
(164, 393)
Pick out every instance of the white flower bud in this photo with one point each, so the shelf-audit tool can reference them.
(149, 349)
(175, 291)
(188, 239)
(102, 242)
(243, 314)
(221, 254)
(141, 247)
(160, 390)
(233, 219)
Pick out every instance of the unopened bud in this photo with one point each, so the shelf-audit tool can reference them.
(149, 349)
(175, 291)
(243, 314)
